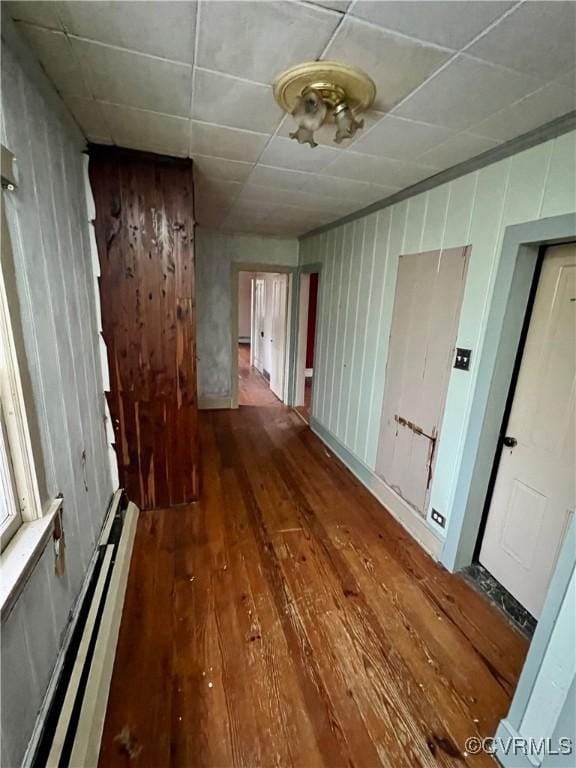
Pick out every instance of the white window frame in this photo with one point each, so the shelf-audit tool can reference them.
(27, 506)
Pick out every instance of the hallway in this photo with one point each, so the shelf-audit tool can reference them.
(253, 388)
(287, 619)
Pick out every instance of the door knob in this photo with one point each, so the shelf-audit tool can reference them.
(510, 442)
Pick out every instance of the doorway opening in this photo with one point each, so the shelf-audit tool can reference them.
(262, 337)
(532, 493)
(308, 310)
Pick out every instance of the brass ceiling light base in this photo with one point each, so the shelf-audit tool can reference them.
(328, 77)
(320, 92)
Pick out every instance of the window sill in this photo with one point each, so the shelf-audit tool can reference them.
(21, 555)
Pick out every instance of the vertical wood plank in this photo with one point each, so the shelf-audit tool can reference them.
(145, 238)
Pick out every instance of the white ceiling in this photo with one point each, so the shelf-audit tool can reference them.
(454, 79)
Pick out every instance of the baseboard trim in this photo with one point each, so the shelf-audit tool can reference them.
(214, 403)
(39, 726)
(73, 720)
(416, 526)
(92, 715)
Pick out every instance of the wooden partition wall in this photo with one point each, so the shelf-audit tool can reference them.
(145, 237)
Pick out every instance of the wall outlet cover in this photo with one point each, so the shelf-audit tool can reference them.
(438, 518)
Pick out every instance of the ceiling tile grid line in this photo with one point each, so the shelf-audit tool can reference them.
(323, 55)
(327, 45)
(455, 79)
(196, 33)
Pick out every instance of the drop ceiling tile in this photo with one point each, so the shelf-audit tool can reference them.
(88, 115)
(255, 193)
(334, 5)
(224, 170)
(159, 28)
(228, 143)
(251, 208)
(289, 198)
(568, 80)
(326, 204)
(259, 40)
(456, 150)
(465, 92)
(538, 38)
(536, 109)
(378, 170)
(226, 191)
(287, 153)
(354, 191)
(401, 139)
(451, 24)
(145, 82)
(42, 13)
(56, 56)
(147, 130)
(234, 103)
(281, 178)
(396, 64)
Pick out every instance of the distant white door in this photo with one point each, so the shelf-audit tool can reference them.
(279, 286)
(535, 493)
(258, 323)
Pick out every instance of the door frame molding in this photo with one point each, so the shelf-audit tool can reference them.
(510, 397)
(510, 301)
(292, 296)
(304, 269)
(512, 285)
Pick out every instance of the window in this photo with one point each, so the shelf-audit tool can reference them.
(19, 497)
(10, 515)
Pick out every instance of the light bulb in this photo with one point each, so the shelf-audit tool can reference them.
(346, 123)
(310, 112)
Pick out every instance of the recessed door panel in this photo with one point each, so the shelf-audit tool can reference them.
(429, 291)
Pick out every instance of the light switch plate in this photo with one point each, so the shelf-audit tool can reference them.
(462, 360)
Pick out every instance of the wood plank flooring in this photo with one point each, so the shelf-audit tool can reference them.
(287, 620)
(253, 388)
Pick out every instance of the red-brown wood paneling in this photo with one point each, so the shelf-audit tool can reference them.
(145, 237)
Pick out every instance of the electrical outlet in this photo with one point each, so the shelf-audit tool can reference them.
(438, 518)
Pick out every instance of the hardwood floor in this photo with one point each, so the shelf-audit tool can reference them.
(253, 388)
(306, 410)
(287, 620)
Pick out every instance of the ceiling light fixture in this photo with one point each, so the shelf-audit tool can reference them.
(324, 92)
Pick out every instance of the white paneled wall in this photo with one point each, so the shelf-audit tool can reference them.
(47, 218)
(357, 286)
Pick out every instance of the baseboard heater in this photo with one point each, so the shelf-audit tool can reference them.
(70, 728)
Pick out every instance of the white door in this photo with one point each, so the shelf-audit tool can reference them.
(534, 494)
(258, 316)
(279, 284)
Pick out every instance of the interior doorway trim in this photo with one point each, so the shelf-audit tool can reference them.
(304, 269)
(292, 311)
(514, 277)
(525, 694)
